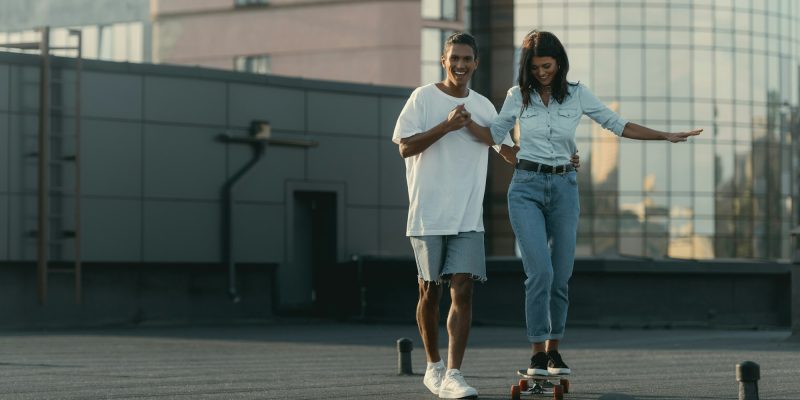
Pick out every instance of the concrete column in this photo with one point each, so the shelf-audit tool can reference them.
(492, 25)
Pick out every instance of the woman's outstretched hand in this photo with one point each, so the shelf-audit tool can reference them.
(682, 136)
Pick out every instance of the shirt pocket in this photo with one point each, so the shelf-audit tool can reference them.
(568, 118)
(531, 121)
(529, 114)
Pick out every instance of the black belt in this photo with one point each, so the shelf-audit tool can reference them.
(548, 169)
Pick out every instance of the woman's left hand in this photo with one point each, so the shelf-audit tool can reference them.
(682, 136)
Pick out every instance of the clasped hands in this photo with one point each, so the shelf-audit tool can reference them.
(458, 118)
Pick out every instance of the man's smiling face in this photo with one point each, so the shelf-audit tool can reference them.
(460, 63)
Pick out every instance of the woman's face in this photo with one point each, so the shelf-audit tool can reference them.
(544, 69)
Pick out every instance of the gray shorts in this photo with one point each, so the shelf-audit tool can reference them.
(438, 257)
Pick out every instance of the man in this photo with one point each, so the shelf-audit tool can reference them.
(446, 176)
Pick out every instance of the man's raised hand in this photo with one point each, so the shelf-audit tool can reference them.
(458, 118)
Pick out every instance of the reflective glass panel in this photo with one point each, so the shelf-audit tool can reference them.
(631, 69)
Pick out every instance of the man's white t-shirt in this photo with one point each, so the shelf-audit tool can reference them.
(447, 180)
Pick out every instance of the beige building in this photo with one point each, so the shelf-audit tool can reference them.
(368, 41)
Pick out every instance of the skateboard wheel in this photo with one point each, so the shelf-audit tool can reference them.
(565, 384)
(558, 392)
(515, 392)
(523, 385)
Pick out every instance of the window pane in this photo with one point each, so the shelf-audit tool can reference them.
(431, 73)
(631, 245)
(431, 45)
(449, 9)
(605, 16)
(605, 82)
(431, 9)
(656, 72)
(655, 15)
(630, 167)
(580, 66)
(631, 69)
(680, 167)
(724, 167)
(724, 75)
(655, 179)
(680, 18)
(680, 73)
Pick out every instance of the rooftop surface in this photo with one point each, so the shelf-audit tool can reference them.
(303, 359)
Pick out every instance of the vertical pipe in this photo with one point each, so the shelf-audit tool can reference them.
(44, 165)
(78, 265)
(228, 216)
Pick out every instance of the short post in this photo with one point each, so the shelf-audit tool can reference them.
(747, 374)
(404, 347)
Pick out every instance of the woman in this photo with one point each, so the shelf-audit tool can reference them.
(543, 195)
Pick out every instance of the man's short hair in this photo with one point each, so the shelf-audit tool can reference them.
(461, 38)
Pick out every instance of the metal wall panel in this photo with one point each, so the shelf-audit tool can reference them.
(111, 154)
(24, 89)
(22, 146)
(342, 113)
(259, 233)
(393, 186)
(106, 95)
(5, 143)
(392, 233)
(285, 109)
(350, 160)
(4, 227)
(5, 95)
(112, 230)
(362, 223)
(183, 162)
(181, 231)
(190, 101)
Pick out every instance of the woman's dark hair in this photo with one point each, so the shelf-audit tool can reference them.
(461, 38)
(542, 44)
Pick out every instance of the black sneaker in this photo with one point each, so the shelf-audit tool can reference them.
(555, 365)
(539, 364)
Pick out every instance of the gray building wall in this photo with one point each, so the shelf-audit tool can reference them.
(153, 168)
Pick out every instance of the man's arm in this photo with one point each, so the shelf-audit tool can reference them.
(418, 143)
(509, 153)
(483, 134)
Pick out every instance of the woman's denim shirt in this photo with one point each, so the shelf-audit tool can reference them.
(547, 133)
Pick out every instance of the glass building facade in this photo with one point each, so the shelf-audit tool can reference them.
(731, 67)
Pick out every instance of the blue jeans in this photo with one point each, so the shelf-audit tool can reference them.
(544, 210)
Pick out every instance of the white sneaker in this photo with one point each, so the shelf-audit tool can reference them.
(454, 386)
(434, 375)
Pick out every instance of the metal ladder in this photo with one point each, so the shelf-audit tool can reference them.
(54, 160)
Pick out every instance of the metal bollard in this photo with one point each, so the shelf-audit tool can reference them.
(404, 347)
(748, 373)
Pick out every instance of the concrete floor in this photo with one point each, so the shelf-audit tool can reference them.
(324, 360)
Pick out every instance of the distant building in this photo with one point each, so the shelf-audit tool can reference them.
(730, 67)
(113, 30)
(370, 41)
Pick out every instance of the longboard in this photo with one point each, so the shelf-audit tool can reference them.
(556, 385)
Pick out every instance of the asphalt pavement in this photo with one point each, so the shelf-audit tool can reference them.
(314, 359)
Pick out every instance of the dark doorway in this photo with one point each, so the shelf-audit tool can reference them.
(314, 251)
